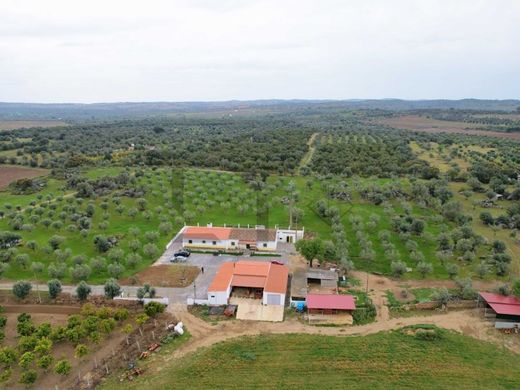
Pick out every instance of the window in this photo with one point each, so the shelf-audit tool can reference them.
(190, 241)
(232, 243)
(265, 245)
(203, 241)
(214, 243)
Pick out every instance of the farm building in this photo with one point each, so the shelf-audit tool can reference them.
(330, 308)
(312, 280)
(252, 279)
(505, 309)
(229, 238)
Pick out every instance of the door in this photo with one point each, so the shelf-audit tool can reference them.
(273, 299)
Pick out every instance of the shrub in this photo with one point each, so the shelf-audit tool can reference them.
(153, 308)
(80, 351)
(26, 360)
(428, 334)
(7, 356)
(21, 289)
(62, 367)
(28, 377)
(44, 362)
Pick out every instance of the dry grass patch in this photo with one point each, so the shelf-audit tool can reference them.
(165, 275)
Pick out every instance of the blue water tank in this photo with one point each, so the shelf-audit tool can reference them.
(300, 306)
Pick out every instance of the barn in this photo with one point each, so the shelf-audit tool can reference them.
(330, 308)
(265, 281)
(504, 309)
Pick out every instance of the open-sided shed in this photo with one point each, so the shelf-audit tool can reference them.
(504, 308)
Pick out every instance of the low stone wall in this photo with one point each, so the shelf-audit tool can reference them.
(465, 304)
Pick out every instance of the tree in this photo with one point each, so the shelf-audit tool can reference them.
(102, 244)
(146, 291)
(515, 287)
(398, 268)
(62, 367)
(442, 295)
(452, 269)
(499, 246)
(54, 286)
(112, 288)
(150, 250)
(55, 241)
(424, 268)
(482, 270)
(127, 330)
(21, 289)
(115, 270)
(310, 249)
(487, 218)
(83, 290)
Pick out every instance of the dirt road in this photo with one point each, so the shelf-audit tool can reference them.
(469, 322)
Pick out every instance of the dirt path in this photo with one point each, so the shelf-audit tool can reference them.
(308, 156)
(469, 322)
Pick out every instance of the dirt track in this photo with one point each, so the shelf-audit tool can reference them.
(468, 322)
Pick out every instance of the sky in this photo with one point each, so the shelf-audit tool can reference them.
(198, 50)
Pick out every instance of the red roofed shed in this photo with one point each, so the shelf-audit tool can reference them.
(505, 307)
(330, 303)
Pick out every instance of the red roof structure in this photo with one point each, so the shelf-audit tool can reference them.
(330, 302)
(271, 277)
(209, 233)
(505, 305)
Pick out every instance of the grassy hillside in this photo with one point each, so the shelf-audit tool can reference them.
(396, 359)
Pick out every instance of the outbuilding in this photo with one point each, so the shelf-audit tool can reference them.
(505, 309)
(330, 308)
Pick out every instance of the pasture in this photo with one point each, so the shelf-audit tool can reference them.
(397, 359)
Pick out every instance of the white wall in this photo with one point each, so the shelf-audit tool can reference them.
(271, 245)
(218, 297)
(281, 297)
(198, 243)
(282, 234)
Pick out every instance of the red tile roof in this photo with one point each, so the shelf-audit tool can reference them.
(221, 280)
(331, 302)
(254, 274)
(248, 281)
(501, 304)
(209, 233)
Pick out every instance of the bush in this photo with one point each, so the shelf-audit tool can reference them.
(62, 367)
(21, 289)
(44, 362)
(28, 377)
(80, 351)
(428, 334)
(153, 308)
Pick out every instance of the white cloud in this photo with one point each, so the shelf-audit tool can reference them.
(112, 50)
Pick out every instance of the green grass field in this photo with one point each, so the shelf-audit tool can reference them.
(384, 360)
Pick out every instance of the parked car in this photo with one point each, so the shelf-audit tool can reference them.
(183, 253)
(178, 259)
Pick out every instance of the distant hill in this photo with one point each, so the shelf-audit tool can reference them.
(96, 111)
